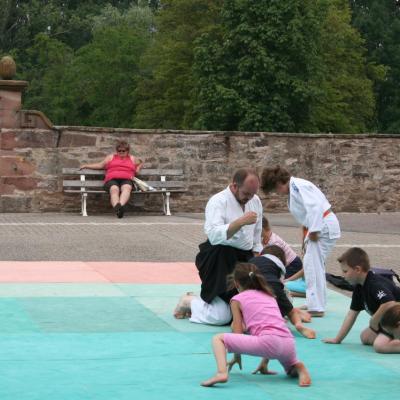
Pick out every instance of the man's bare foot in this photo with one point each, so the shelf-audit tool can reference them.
(182, 314)
(219, 377)
(305, 316)
(182, 309)
(299, 370)
(306, 332)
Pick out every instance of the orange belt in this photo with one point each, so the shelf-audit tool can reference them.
(305, 230)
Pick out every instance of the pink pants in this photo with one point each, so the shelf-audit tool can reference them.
(269, 346)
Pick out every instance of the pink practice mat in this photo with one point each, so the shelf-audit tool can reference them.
(97, 272)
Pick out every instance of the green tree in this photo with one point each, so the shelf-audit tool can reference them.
(281, 66)
(165, 91)
(105, 72)
(66, 20)
(379, 24)
(46, 64)
(94, 84)
(254, 73)
(346, 101)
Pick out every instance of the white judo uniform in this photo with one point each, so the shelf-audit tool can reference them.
(310, 208)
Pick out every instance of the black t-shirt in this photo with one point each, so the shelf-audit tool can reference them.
(375, 291)
(272, 274)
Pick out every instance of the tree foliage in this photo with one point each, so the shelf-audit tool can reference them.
(379, 24)
(165, 90)
(92, 85)
(345, 102)
(299, 66)
(282, 66)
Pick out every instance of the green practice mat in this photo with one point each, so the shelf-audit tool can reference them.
(102, 341)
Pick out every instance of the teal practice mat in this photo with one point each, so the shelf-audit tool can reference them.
(102, 341)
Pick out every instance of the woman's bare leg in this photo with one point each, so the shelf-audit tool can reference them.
(125, 194)
(114, 195)
(220, 357)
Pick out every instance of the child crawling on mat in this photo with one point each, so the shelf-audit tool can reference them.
(256, 312)
(374, 294)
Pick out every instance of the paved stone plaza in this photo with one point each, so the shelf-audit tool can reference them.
(70, 237)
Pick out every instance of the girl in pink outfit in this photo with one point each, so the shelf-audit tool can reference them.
(120, 169)
(255, 311)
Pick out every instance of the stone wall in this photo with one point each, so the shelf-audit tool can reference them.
(357, 172)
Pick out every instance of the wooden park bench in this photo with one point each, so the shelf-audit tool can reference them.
(85, 181)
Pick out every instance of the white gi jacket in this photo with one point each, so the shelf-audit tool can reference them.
(221, 210)
(307, 204)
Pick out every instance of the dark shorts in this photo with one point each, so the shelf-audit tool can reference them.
(382, 331)
(295, 266)
(116, 182)
(284, 304)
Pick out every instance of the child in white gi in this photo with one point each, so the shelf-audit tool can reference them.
(312, 210)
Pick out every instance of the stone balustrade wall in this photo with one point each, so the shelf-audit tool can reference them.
(358, 173)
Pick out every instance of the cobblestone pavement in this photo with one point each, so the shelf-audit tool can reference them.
(70, 237)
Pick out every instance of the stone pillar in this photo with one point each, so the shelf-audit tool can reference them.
(11, 114)
(10, 102)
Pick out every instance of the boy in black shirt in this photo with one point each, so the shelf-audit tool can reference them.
(372, 293)
(271, 264)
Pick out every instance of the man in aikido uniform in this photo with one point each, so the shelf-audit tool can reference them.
(233, 227)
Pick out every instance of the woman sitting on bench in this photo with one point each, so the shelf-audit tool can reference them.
(120, 169)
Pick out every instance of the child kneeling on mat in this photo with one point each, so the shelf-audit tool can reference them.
(372, 293)
(294, 275)
(255, 311)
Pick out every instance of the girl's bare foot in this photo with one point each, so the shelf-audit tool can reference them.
(306, 332)
(219, 377)
(299, 370)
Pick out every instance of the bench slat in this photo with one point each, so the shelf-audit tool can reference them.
(135, 191)
(168, 172)
(143, 172)
(93, 183)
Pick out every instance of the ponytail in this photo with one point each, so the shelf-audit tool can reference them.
(249, 277)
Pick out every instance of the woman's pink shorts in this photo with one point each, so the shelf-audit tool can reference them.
(269, 346)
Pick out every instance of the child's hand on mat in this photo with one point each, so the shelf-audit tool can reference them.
(237, 359)
(263, 368)
(331, 341)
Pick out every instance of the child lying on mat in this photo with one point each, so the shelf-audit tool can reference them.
(294, 276)
(373, 293)
(256, 311)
